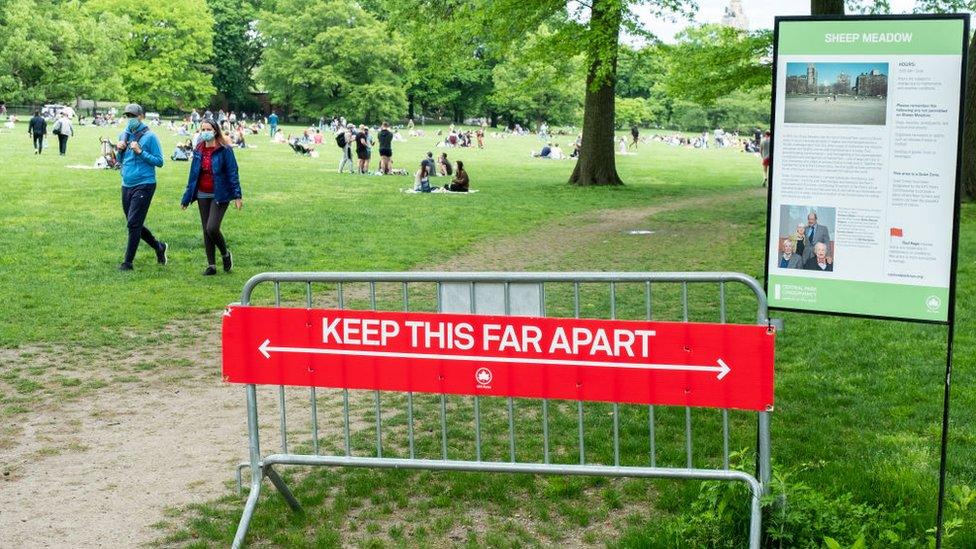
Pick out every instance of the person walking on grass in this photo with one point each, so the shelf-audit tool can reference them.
(764, 153)
(214, 184)
(139, 153)
(62, 129)
(37, 129)
(273, 123)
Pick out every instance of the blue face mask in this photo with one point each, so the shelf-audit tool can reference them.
(207, 135)
(132, 124)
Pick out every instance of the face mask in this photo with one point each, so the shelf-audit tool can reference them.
(207, 136)
(133, 124)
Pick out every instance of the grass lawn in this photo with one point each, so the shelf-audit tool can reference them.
(855, 432)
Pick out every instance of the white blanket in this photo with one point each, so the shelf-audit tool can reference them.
(437, 190)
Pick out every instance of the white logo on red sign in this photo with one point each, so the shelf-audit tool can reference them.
(483, 378)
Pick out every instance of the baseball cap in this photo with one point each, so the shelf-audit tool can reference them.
(132, 109)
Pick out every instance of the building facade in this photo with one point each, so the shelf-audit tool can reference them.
(872, 83)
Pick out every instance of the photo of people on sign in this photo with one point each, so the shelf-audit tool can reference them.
(836, 93)
(805, 238)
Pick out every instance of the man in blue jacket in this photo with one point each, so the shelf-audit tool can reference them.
(139, 153)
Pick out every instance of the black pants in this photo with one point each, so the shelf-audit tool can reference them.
(62, 144)
(135, 205)
(38, 142)
(211, 216)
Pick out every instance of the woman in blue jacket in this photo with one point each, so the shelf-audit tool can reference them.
(213, 183)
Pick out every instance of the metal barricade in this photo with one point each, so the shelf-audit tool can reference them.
(508, 294)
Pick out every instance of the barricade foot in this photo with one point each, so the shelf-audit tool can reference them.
(252, 503)
(279, 483)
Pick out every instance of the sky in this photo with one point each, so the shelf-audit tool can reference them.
(759, 12)
(827, 72)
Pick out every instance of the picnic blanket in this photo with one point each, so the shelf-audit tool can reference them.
(83, 167)
(437, 190)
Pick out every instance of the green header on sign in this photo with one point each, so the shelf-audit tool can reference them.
(874, 37)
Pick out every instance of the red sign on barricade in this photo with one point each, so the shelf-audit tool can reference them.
(667, 363)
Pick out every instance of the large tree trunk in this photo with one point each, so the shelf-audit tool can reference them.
(826, 7)
(596, 164)
(969, 127)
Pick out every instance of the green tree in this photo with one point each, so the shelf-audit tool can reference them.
(328, 57)
(530, 89)
(56, 51)
(709, 62)
(165, 51)
(236, 51)
(590, 28)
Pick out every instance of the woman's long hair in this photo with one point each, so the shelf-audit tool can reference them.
(219, 136)
(423, 170)
(460, 166)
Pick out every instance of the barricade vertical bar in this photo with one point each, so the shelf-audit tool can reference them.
(477, 429)
(545, 401)
(345, 392)
(406, 308)
(684, 318)
(650, 427)
(650, 408)
(313, 402)
(281, 388)
(725, 439)
(684, 302)
(511, 404)
(582, 451)
(613, 301)
(443, 427)
(545, 431)
(379, 425)
(345, 420)
(410, 423)
(376, 394)
(477, 401)
(511, 430)
(616, 434)
(725, 412)
(579, 404)
(765, 470)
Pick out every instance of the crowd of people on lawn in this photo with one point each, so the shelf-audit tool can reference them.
(214, 184)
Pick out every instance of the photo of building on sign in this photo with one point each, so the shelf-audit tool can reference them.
(836, 93)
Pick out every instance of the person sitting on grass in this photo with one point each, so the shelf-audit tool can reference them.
(421, 182)
(545, 152)
(556, 153)
(429, 161)
(444, 167)
(460, 183)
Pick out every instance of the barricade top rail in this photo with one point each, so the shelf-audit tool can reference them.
(501, 277)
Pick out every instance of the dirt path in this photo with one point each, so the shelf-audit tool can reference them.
(100, 469)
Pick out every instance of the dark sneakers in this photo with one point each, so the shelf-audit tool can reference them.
(161, 253)
(228, 262)
(125, 266)
(210, 271)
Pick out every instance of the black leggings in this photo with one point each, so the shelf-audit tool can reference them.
(38, 142)
(211, 215)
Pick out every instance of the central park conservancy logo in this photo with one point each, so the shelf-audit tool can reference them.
(933, 303)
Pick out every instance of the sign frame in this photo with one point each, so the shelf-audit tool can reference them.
(950, 320)
(957, 189)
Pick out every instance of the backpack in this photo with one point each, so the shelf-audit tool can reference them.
(341, 140)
